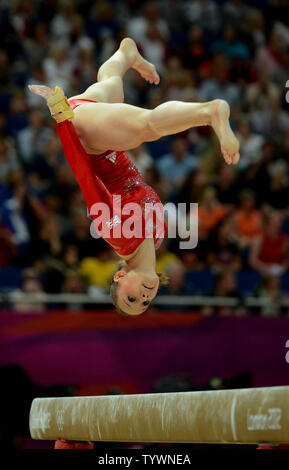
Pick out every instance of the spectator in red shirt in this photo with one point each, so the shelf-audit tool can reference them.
(269, 253)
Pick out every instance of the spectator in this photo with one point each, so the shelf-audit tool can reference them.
(227, 186)
(248, 221)
(80, 235)
(204, 13)
(99, 271)
(270, 292)
(37, 45)
(236, 13)
(271, 120)
(33, 139)
(3, 124)
(250, 144)
(138, 26)
(50, 161)
(211, 212)
(256, 28)
(73, 284)
(58, 67)
(153, 47)
(102, 24)
(178, 81)
(61, 187)
(47, 243)
(193, 186)
(8, 159)
(21, 214)
(258, 175)
(85, 72)
(70, 257)
(30, 285)
(269, 253)
(196, 50)
(17, 119)
(191, 259)
(78, 38)
(8, 250)
(60, 25)
(230, 45)
(278, 194)
(226, 284)
(5, 69)
(260, 91)
(220, 86)
(22, 18)
(226, 287)
(174, 166)
(223, 250)
(269, 56)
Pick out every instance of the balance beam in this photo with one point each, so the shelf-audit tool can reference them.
(241, 416)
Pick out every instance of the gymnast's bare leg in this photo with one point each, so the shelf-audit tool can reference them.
(109, 124)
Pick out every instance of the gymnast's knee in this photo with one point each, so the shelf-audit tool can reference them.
(113, 89)
(151, 128)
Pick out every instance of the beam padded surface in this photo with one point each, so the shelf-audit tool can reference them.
(225, 416)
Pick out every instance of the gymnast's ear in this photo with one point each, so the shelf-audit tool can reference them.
(119, 274)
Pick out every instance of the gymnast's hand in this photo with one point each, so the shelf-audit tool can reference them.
(56, 101)
(41, 90)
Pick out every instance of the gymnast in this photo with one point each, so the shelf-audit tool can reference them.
(103, 128)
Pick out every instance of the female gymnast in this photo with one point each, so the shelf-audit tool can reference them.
(94, 144)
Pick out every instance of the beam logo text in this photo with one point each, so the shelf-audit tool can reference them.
(261, 421)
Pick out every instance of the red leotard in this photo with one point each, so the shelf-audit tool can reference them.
(102, 176)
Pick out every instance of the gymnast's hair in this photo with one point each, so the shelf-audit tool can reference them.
(164, 280)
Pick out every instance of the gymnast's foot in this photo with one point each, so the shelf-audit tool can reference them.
(220, 123)
(142, 66)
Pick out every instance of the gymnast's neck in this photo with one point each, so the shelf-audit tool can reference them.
(143, 258)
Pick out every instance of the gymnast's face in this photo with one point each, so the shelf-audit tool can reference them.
(135, 291)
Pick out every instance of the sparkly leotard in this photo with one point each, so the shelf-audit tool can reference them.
(111, 175)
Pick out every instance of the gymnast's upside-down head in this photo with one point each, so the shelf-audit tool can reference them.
(133, 290)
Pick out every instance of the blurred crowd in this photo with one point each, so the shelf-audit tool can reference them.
(203, 49)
